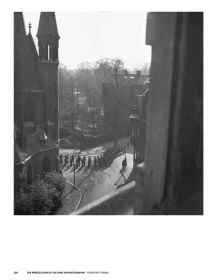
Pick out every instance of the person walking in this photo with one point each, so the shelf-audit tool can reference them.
(66, 159)
(78, 161)
(89, 161)
(72, 160)
(124, 163)
(83, 161)
(100, 161)
(61, 158)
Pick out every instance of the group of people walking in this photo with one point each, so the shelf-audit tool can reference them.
(76, 161)
(113, 152)
(102, 160)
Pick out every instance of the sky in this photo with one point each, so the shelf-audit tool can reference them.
(89, 36)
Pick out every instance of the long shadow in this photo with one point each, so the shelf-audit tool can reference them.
(79, 169)
(67, 167)
(86, 168)
(89, 174)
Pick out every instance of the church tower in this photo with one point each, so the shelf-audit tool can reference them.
(48, 44)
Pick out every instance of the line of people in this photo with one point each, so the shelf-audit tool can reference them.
(112, 152)
(102, 160)
(81, 161)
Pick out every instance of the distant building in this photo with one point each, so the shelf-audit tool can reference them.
(129, 87)
(140, 109)
(35, 98)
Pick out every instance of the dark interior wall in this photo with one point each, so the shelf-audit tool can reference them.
(184, 183)
(160, 35)
(173, 169)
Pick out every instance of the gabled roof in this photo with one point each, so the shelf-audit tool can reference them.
(32, 45)
(33, 147)
(26, 75)
(47, 25)
(19, 27)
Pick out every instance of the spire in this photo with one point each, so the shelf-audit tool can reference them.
(47, 25)
(29, 26)
(48, 37)
(19, 27)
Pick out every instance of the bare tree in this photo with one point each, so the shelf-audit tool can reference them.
(107, 67)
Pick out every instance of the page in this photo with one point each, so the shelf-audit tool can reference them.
(105, 177)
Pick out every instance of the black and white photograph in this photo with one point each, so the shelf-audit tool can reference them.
(109, 140)
(108, 113)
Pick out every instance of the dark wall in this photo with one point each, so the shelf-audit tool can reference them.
(173, 169)
(185, 161)
(49, 80)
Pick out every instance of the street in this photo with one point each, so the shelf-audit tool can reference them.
(92, 183)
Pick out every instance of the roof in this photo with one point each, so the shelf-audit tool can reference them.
(26, 75)
(127, 79)
(33, 147)
(47, 25)
(32, 45)
(19, 27)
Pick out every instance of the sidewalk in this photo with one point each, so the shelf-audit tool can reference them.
(71, 200)
(105, 181)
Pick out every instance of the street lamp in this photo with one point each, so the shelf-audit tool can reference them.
(134, 132)
(73, 103)
(74, 175)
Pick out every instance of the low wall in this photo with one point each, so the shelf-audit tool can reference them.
(36, 161)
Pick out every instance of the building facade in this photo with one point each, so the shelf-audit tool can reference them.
(128, 87)
(138, 124)
(35, 98)
(170, 180)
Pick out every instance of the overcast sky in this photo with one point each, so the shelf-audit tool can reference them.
(87, 37)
